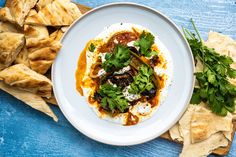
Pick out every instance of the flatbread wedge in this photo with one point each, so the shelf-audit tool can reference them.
(5, 15)
(24, 78)
(51, 100)
(22, 57)
(18, 10)
(175, 133)
(35, 33)
(7, 27)
(42, 54)
(202, 148)
(10, 46)
(30, 99)
(56, 13)
(42, 3)
(204, 123)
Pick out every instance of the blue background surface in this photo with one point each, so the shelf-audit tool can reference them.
(26, 132)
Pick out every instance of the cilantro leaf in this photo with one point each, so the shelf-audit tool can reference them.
(118, 59)
(142, 81)
(112, 98)
(92, 47)
(145, 42)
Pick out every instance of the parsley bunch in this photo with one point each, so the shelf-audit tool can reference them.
(145, 42)
(118, 59)
(112, 98)
(142, 81)
(215, 89)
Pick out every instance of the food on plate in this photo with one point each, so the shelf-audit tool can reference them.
(54, 13)
(16, 10)
(202, 128)
(124, 73)
(24, 78)
(30, 99)
(10, 46)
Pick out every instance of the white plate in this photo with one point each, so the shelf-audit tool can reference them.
(75, 107)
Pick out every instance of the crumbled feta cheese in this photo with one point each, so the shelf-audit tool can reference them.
(121, 71)
(144, 108)
(130, 43)
(103, 55)
(115, 41)
(101, 72)
(130, 96)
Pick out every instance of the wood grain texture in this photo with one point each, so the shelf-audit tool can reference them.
(26, 132)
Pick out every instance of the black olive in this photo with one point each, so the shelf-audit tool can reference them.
(154, 61)
(121, 80)
(149, 94)
(133, 49)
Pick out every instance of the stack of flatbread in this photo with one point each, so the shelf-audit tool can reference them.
(28, 48)
(200, 130)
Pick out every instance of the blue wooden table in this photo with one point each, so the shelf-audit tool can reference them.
(26, 132)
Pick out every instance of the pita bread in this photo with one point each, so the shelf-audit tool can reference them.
(175, 134)
(18, 10)
(42, 3)
(42, 54)
(184, 122)
(5, 15)
(223, 44)
(205, 147)
(7, 27)
(228, 134)
(51, 100)
(24, 78)
(30, 99)
(10, 46)
(64, 29)
(56, 13)
(202, 148)
(35, 33)
(22, 57)
(204, 123)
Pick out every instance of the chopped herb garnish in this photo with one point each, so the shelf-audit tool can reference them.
(92, 47)
(118, 59)
(214, 88)
(145, 42)
(112, 98)
(142, 81)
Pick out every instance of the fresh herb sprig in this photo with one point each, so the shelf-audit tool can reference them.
(214, 87)
(145, 42)
(92, 47)
(112, 98)
(142, 81)
(118, 59)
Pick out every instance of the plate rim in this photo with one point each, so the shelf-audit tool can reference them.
(134, 142)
